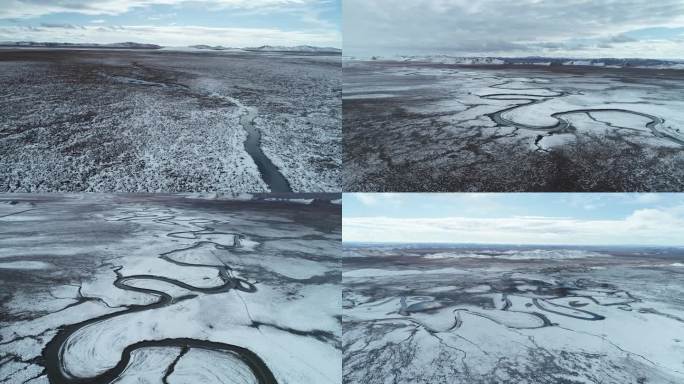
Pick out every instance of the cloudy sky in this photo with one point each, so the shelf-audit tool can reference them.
(510, 218)
(237, 23)
(568, 28)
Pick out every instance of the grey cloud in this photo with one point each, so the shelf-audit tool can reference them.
(622, 39)
(551, 45)
(497, 26)
(59, 25)
(557, 46)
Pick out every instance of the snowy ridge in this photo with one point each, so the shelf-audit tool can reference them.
(533, 254)
(543, 61)
(444, 59)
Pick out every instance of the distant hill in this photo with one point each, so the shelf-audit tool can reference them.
(132, 45)
(298, 48)
(444, 59)
(37, 44)
(545, 61)
(213, 48)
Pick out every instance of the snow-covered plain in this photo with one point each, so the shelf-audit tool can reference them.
(442, 127)
(607, 316)
(167, 288)
(170, 121)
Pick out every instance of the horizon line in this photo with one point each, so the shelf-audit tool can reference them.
(516, 57)
(293, 45)
(515, 244)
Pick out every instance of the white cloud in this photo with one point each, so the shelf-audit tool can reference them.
(370, 199)
(33, 8)
(588, 202)
(170, 35)
(647, 198)
(366, 198)
(644, 226)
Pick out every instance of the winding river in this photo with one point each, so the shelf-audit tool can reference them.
(269, 172)
(541, 300)
(53, 353)
(562, 125)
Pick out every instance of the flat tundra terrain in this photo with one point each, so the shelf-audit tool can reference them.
(513, 315)
(435, 127)
(175, 289)
(127, 121)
